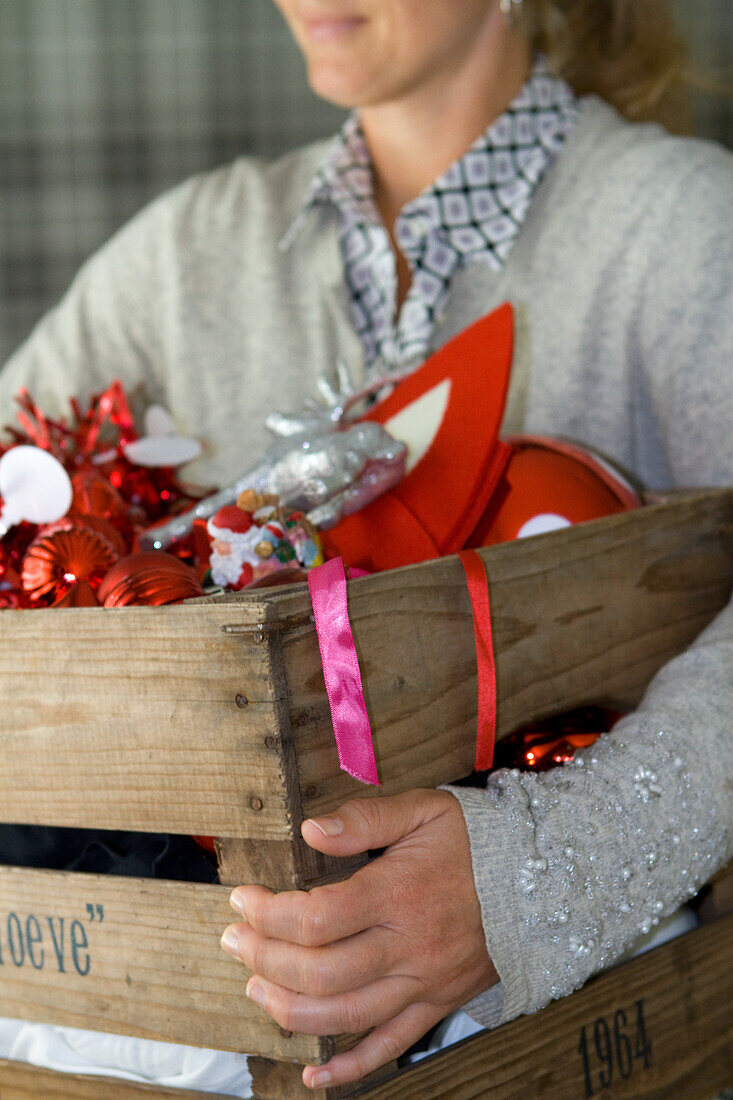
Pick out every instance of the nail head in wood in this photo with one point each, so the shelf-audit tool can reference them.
(311, 792)
(255, 803)
(271, 742)
(241, 700)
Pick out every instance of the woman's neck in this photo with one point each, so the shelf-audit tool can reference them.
(414, 140)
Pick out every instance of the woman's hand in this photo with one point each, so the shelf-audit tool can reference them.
(392, 950)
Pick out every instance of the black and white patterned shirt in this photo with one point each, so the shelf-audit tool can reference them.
(472, 213)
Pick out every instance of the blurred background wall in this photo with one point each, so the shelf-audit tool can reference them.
(106, 103)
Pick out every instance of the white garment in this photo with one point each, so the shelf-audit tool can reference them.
(73, 1050)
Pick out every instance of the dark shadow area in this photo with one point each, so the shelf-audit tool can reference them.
(97, 851)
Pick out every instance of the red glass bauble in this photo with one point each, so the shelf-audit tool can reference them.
(12, 552)
(60, 559)
(102, 526)
(151, 493)
(12, 598)
(79, 595)
(93, 495)
(149, 577)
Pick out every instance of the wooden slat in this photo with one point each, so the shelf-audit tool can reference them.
(290, 864)
(19, 1081)
(685, 988)
(147, 963)
(585, 615)
(128, 719)
(280, 864)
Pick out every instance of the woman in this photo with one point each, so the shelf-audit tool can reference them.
(468, 177)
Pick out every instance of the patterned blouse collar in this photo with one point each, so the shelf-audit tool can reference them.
(479, 204)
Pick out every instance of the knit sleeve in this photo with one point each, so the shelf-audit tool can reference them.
(574, 865)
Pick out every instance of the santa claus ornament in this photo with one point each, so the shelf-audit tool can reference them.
(255, 539)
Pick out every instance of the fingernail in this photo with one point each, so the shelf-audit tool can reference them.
(236, 903)
(320, 1077)
(256, 993)
(329, 826)
(230, 942)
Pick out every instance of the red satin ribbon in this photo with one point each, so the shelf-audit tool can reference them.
(327, 587)
(478, 591)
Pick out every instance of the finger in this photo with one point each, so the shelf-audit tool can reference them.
(365, 823)
(326, 914)
(345, 1014)
(383, 1045)
(318, 971)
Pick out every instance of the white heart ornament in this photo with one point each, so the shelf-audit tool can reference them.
(161, 446)
(34, 486)
(158, 421)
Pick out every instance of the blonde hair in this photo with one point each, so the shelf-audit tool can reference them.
(626, 51)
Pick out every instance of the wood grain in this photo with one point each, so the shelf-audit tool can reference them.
(580, 616)
(128, 719)
(150, 967)
(685, 988)
(19, 1081)
(280, 864)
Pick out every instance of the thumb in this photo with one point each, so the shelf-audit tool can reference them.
(365, 823)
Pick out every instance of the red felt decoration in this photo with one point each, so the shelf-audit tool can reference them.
(436, 506)
(467, 487)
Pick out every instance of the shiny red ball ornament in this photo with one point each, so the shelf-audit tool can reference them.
(60, 559)
(93, 495)
(150, 577)
(551, 741)
(12, 552)
(13, 599)
(81, 595)
(151, 494)
(102, 526)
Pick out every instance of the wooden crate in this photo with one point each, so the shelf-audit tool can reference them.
(211, 718)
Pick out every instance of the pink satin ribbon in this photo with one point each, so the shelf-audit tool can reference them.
(341, 673)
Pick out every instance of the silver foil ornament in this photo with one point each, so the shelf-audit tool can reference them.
(319, 464)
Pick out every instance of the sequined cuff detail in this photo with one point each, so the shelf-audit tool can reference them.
(574, 865)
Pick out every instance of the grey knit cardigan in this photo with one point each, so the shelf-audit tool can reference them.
(622, 283)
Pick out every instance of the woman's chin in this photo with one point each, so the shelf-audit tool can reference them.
(342, 87)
